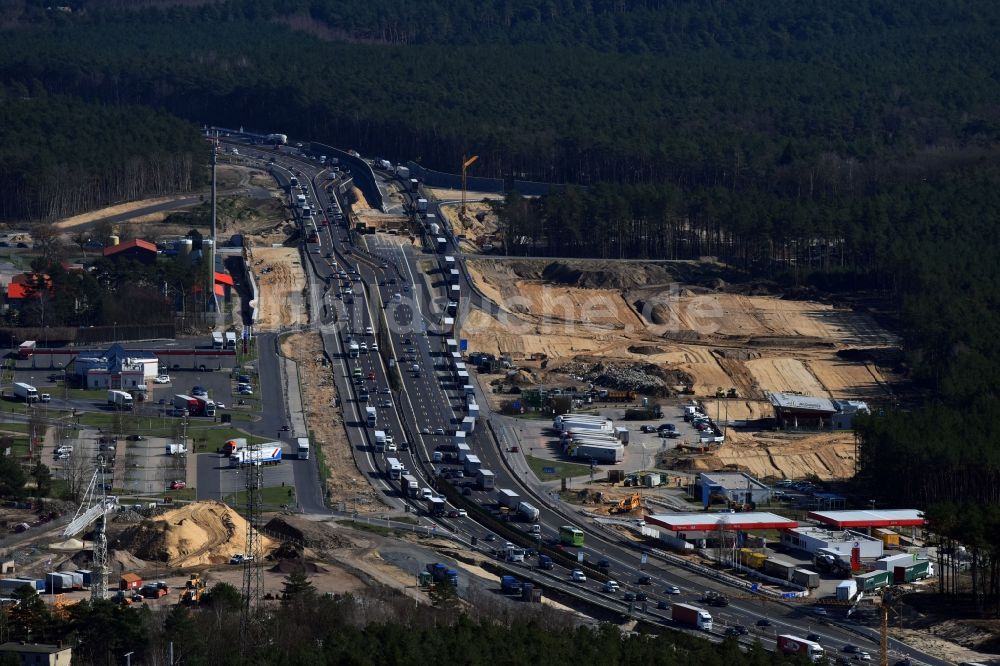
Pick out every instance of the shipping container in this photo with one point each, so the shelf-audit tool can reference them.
(779, 568)
(847, 590)
(806, 578)
(873, 580)
(912, 572)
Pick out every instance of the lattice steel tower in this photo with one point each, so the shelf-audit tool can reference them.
(252, 583)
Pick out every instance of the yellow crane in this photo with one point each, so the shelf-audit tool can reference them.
(466, 163)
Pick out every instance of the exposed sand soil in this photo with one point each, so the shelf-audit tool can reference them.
(119, 209)
(345, 482)
(280, 304)
(783, 455)
(196, 534)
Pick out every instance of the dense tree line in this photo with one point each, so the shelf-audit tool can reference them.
(60, 156)
(379, 627)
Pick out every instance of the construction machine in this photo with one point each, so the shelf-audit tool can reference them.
(193, 590)
(628, 505)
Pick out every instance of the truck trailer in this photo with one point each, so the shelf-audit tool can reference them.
(25, 392)
(788, 644)
(371, 417)
(192, 405)
(408, 486)
(267, 454)
(507, 498)
(599, 453)
(485, 479)
(691, 616)
(527, 512)
(120, 399)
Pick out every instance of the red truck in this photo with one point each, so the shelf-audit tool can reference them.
(788, 644)
(192, 405)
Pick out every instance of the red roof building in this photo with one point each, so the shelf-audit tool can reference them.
(137, 250)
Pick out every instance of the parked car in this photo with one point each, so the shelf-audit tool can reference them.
(647, 429)
(199, 392)
(162, 379)
(45, 397)
(178, 485)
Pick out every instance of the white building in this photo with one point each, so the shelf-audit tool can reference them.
(814, 539)
(116, 369)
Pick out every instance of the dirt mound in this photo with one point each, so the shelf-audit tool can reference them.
(196, 534)
(304, 533)
(645, 378)
(293, 566)
(605, 275)
(646, 350)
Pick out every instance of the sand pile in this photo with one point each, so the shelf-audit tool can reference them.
(196, 534)
(307, 533)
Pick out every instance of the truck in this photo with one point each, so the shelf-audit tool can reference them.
(206, 406)
(414, 184)
(192, 405)
(441, 572)
(441, 243)
(233, 445)
(276, 139)
(607, 455)
(788, 644)
(510, 585)
(231, 340)
(605, 426)
(421, 205)
(175, 449)
(507, 498)
(912, 572)
(403, 172)
(300, 200)
(303, 448)
(435, 506)
(691, 616)
(779, 568)
(805, 578)
(472, 465)
(26, 349)
(26, 392)
(873, 580)
(527, 512)
(485, 479)
(380, 440)
(217, 342)
(408, 486)
(371, 417)
(353, 349)
(558, 423)
(120, 399)
(267, 454)
(468, 424)
(434, 228)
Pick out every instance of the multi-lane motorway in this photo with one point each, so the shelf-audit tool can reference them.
(374, 291)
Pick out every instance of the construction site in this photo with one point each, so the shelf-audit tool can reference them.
(694, 336)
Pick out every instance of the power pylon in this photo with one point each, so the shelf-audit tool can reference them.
(252, 584)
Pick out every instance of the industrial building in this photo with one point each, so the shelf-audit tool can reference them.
(815, 413)
(814, 539)
(116, 368)
(870, 518)
(141, 251)
(733, 487)
(30, 654)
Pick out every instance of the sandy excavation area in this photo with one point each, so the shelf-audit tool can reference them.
(674, 317)
(199, 533)
(344, 482)
(280, 279)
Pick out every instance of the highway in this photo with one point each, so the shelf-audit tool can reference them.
(389, 287)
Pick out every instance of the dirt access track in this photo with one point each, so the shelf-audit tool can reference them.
(684, 317)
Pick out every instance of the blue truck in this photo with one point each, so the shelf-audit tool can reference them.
(440, 572)
(510, 585)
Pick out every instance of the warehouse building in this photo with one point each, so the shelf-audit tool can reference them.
(116, 368)
(735, 487)
(141, 251)
(814, 539)
(794, 411)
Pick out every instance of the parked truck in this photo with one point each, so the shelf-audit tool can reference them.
(206, 406)
(267, 454)
(691, 616)
(788, 644)
(233, 445)
(175, 449)
(805, 578)
(912, 572)
(441, 572)
(217, 342)
(527, 512)
(26, 349)
(26, 392)
(599, 453)
(192, 405)
(120, 399)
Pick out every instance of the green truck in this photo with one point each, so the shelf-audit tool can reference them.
(912, 572)
(873, 580)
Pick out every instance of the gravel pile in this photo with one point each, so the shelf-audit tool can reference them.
(128, 516)
(644, 378)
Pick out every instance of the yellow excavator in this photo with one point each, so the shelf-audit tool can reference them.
(628, 505)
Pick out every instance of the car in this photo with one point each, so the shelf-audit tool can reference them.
(819, 610)
(850, 649)
(438, 431)
(862, 656)
(178, 485)
(662, 605)
(371, 376)
(666, 426)
(45, 397)
(162, 379)
(220, 405)
(369, 330)
(629, 596)
(843, 661)
(462, 513)
(62, 456)
(239, 559)
(731, 631)
(816, 638)
(384, 390)
(741, 630)
(644, 580)
(611, 586)
(672, 589)
(363, 346)
(374, 346)
(578, 576)
(65, 448)
(604, 565)
(246, 391)
(468, 491)
(199, 392)
(641, 596)
(764, 622)
(407, 341)
(647, 429)
(107, 447)
(453, 513)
